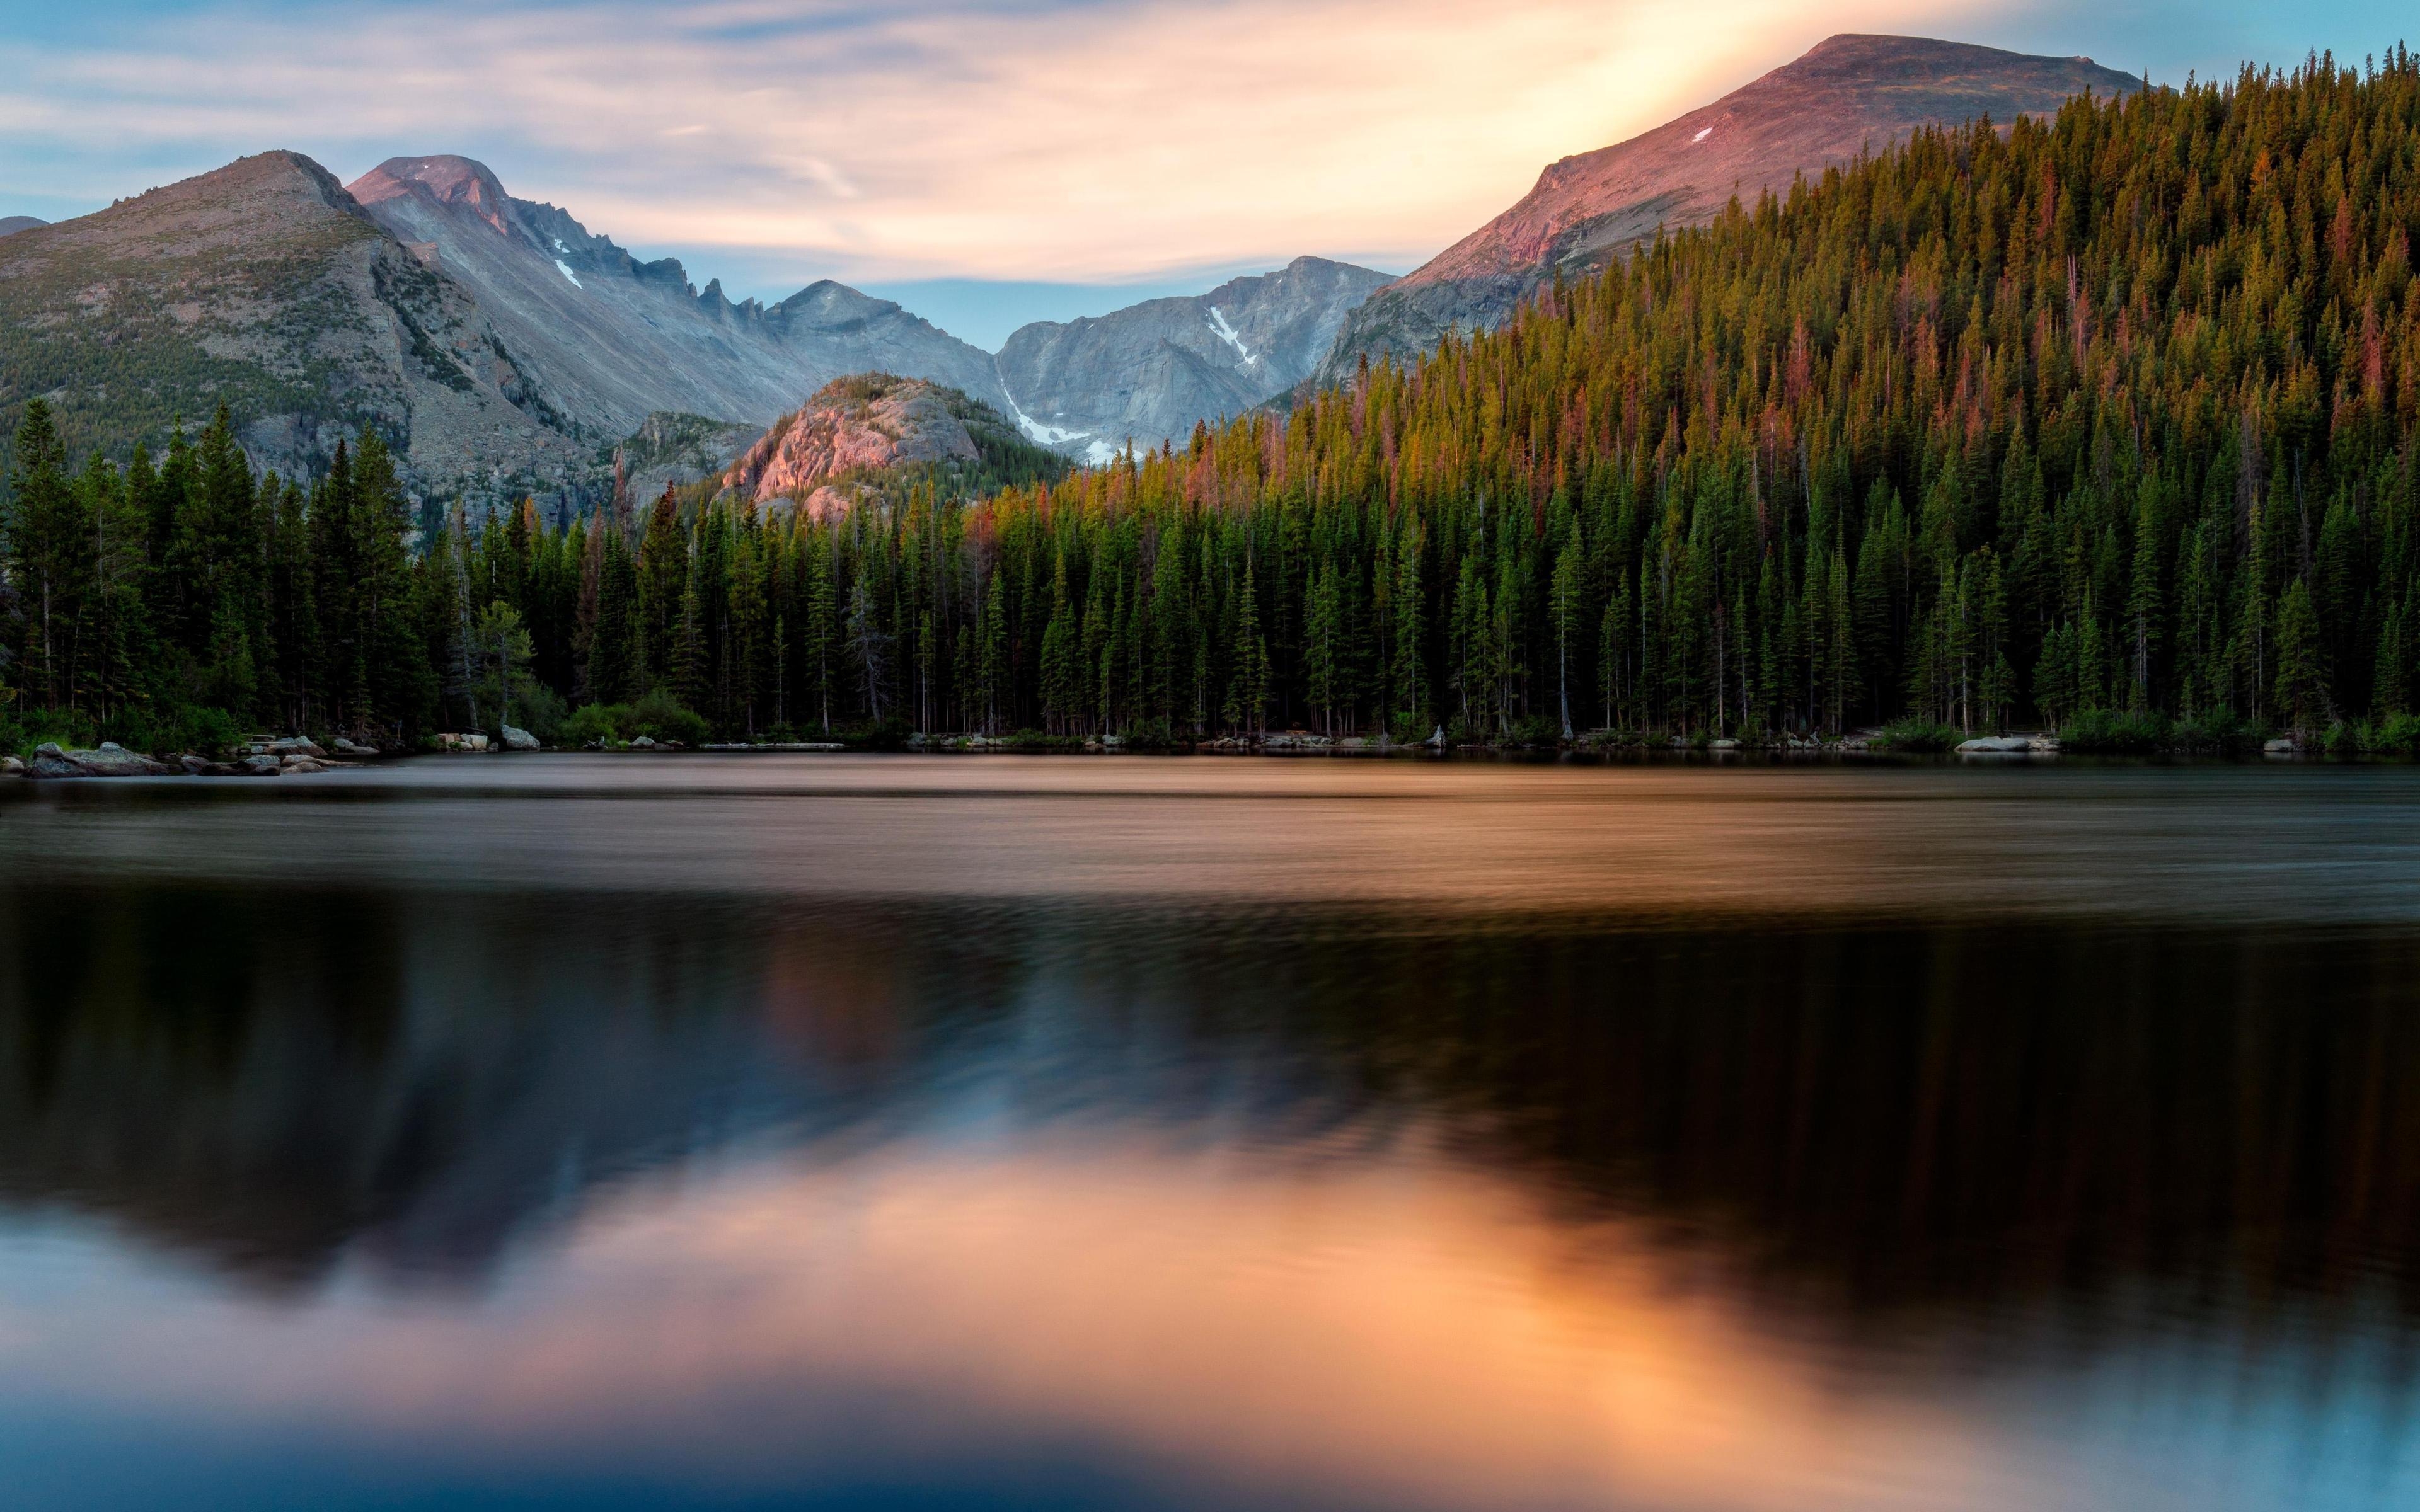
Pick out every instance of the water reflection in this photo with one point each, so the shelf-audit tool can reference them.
(381, 1185)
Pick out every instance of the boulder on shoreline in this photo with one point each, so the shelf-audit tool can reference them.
(108, 759)
(1996, 745)
(518, 739)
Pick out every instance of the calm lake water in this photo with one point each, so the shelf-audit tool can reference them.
(920, 1133)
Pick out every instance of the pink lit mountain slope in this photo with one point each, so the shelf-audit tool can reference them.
(1846, 95)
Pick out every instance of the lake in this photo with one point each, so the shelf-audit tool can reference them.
(995, 1132)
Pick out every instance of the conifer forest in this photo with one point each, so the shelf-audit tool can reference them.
(2053, 423)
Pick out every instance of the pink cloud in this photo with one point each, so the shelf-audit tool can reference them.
(1069, 142)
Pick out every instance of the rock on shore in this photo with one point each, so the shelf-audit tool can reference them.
(109, 759)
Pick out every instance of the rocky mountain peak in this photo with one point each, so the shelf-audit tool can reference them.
(446, 179)
(1152, 371)
(1848, 94)
(854, 426)
(168, 287)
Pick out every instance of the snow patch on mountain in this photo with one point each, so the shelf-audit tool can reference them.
(1703, 136)
(1227, 334)
(1035, 430)
(565, 269)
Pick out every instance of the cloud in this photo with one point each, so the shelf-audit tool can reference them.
(924, 138)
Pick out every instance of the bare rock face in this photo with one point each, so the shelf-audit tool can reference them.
(1150, 372)
(264, 287)
(668, 450)
(852, 428)
(610, 341)
(1848, 94)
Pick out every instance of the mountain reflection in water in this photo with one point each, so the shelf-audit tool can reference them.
(353, 1151)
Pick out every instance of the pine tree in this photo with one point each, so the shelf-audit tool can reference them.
(1324, 671)
(614, 669)
(869, 649)
(1248, 687)
(1062, 684)
(2302, 683)
(998, 691)
(43, 540)
(663, 581)
(1410, 675)
(816, 648)
(397, 686)
(2391, 675)
(686, 669)
(1567, 607)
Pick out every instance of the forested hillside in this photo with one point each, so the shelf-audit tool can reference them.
(2115, 412)
(2108, 416)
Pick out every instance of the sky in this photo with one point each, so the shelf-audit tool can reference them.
(987, 161)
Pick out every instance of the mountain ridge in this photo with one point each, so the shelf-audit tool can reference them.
(505, 346)
(615, 339)
(1850, 93)
(265, 287)
(1149, 372)
(587, 343)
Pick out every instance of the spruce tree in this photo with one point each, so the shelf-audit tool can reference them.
(2302, 681)
(1248, 687)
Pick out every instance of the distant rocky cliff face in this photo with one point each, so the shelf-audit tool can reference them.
(668, 450)
(263, 287)
(1149, 372)
(827, 455)
(612, 340)
(1847, 95)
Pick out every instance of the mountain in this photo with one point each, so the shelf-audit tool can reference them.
(12, 224)
(1151, 371)
(1846, 95)
(858, 435)
(508, 349)
(611, 340)
(670, 449)
(263, 287)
